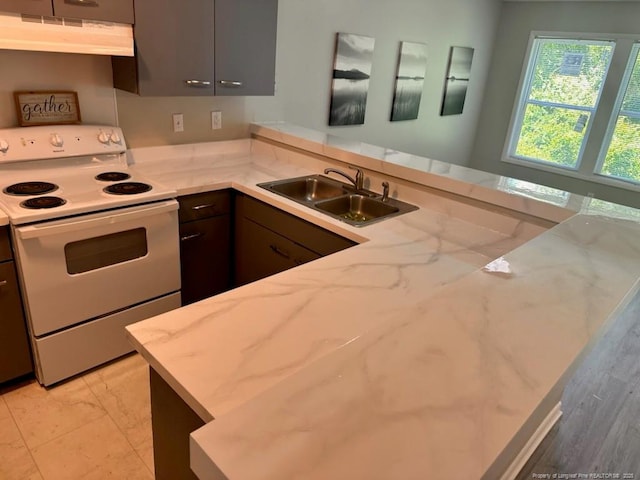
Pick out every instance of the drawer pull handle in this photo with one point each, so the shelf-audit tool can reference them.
(3, 283)
(198, 83)
(229, 83)
(279, 251)
(83, 3)
(200, 207)
(186, 238)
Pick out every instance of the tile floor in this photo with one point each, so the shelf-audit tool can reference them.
(98, 426)
(94, 426)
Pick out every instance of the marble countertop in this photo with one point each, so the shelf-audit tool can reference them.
(537, 200)
(402, 350)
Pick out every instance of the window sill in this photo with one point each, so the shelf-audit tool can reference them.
(569, 172)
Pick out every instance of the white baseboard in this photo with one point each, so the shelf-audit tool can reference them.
(524, 455)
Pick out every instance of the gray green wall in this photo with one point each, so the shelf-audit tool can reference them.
(306, 36)
(517, 20)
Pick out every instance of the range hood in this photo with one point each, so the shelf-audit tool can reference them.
(55, 34)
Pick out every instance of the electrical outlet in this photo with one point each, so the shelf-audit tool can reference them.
(178, 122)
(216, 120)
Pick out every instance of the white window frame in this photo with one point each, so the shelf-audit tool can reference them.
(613, 120)
(587, 168)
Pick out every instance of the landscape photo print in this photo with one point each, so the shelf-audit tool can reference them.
(457, 81)
(412, 64)
(350, 83)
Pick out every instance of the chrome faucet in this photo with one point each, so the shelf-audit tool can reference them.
(385, 191)
(358, 182)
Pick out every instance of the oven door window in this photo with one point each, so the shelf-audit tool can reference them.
(99, 252)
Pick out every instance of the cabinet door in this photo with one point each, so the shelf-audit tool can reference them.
(120, 11)
(31, 7)
(5, 247)
(312, 237)
(172, 421)
(174, 47)
(15, 356)
(261, 252)
(205, 258)
(245, 40)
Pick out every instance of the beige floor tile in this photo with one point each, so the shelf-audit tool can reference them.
(123, 390)
(98, 450)
(145, 452)
(44, 414)
(16, 462)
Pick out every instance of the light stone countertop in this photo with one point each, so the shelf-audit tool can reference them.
(397, 358)
(4, 220)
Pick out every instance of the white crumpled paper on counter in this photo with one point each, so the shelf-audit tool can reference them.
(499, 266)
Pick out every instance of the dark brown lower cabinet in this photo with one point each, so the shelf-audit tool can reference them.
(205, 258)
(15, 354)
(266, 252)
(268, 240)
(263, 240)
(172, 422)
(205, 244)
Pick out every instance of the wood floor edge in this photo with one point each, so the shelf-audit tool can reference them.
(521, 459)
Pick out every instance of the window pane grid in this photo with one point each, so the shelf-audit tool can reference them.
(563, 85)
(562, 105)
(560, 145)
(622, 145)
(570, 72)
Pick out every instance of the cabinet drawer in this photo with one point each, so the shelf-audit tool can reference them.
(5, 247)
(204, 205)
(120, 11)
(300, 231)
(264, 252)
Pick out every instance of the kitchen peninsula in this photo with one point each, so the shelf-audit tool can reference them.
(411, 355)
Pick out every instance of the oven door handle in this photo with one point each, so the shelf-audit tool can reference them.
(43, 230)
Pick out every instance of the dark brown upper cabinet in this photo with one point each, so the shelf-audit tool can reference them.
(120, 11)
(30, 7)
(201, 48)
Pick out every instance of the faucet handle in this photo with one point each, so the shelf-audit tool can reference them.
(385, 191)
(359, 177)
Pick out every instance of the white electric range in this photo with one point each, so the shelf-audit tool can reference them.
(96, 244)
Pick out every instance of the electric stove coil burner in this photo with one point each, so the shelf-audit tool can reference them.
(113, 176)
(30, 188)
(43, 202)
(127, 188)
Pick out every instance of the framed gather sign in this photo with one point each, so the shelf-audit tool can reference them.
(47, 108)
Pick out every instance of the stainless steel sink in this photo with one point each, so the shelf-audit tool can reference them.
(308, 189)
(338, 200)
(357, 208)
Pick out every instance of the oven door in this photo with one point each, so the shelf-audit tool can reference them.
(73, 270)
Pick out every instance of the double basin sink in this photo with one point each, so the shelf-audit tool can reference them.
(339, 200)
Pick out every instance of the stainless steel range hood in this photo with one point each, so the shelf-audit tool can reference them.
(54, 34)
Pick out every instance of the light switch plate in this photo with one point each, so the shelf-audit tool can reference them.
(178, 122)
(216, 120)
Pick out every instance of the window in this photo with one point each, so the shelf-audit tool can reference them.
(620, 156)
(568, 96)
(565, 79)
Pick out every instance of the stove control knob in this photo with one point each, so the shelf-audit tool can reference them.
(104, 137)
(4, 146)
(56, 140)
(115, 138)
